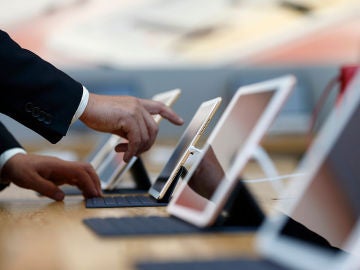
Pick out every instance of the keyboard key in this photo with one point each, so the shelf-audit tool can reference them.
(110, 201)
(133, 200)
(97, 201)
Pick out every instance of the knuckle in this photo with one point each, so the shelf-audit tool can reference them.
(88, 167)
(155, 130)
(22, 182)
(162, 107)
(147, 147)
(136, 142)
(132, 113)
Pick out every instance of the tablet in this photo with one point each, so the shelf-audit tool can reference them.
(109, 164)
(326, 199)
(189, 138)
(206, 188)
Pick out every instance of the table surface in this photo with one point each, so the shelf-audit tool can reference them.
(38, 233)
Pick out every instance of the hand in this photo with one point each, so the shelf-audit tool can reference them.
(44, 174)
(130, 118)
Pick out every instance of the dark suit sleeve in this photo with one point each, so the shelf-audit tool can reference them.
(34, 92)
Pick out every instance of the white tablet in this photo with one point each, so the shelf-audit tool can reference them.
(206, 188)
(189, 138)
(326, 200)
(109, 164)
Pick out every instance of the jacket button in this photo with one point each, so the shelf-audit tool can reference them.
(42, 116)
(48, 119)
(29, 107)
(35, 112)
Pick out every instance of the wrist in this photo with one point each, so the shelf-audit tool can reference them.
(82, 106)
(87, 108)
(4, 160)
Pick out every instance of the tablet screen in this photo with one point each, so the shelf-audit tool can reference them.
(113, 162)
(330, 205)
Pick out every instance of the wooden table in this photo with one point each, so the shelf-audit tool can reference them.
(38, 233)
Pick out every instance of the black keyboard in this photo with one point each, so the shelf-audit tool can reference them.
(72, 191)
(230, 264)
(151, 225)
(135, 226)
(123, 201)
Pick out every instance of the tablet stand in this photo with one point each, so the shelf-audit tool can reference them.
(241, 213)
(140, 175)
(181, 173)
(241, 209)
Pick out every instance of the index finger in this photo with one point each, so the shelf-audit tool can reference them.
(79, 174)
(156, 107)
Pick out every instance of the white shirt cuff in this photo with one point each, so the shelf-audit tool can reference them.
(4, 157)
(82, 105)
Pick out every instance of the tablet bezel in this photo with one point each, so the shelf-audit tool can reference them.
(290, 251)
(283, 87)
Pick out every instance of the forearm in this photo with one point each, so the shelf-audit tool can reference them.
(34, 92)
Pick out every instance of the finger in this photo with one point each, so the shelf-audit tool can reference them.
(95, 178)
(132, 149)
(134, 141)
(138, 141)
(121, 147)
(144, 130)
(77, 173)
(45, 187)
(84, 181)
(156, 107)
(152, 130)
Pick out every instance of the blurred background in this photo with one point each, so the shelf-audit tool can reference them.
(206, 48)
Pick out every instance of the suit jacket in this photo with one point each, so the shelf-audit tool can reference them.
(34, 92)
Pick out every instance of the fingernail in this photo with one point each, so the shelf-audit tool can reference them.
(59, 196)
(96, 193)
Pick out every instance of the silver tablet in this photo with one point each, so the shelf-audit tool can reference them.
(189, 138)
(326, 200)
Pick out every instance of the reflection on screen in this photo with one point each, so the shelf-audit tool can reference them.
(184, 143)
(330, 206)
(221, 152)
